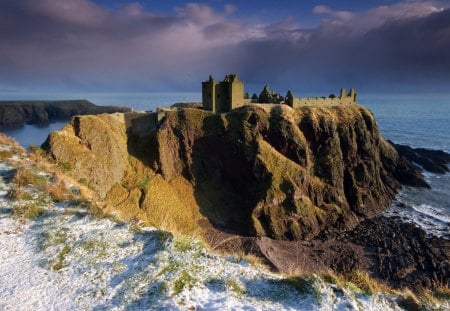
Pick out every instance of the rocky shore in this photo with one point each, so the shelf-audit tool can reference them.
(400, 254)
(19, 113)
(264, 180)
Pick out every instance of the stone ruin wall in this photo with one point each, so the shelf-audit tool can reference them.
(343, 99)
(236, 94)
(302, 101)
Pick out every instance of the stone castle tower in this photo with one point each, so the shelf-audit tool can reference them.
(223, 96)
(350, 97)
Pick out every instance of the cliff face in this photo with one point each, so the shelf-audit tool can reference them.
(259, 170)
(283, 173)
(18, 113)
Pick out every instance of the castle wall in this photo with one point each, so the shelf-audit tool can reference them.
(302, 101)
(209, 95)
(236, 91)
(222, 101)
(343, 99)
(222, 96)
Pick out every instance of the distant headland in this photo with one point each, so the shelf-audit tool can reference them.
(19, 113)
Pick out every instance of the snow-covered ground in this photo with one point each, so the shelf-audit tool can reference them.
(68, 259)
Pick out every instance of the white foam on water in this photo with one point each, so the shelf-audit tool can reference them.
(427, 208)
(432, 212)
(431, 219)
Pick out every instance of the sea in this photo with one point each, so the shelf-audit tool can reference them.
(417, 120)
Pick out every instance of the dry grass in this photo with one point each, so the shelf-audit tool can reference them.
(424, 298)
(6, 140)
(38, 155)
(45, 163)
(59, 261)
(25, 176)
(356, 280)
(172, 206)
(409, 299)
(255, 261)
(6, 154)
(184, 280)
(303, 284)
(18, 193)
(235, 286)
(58, 191)
(442, 292)
(364, 282)
(28, 211)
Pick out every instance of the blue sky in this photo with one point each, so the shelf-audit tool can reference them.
(266, 10)
(310, 46)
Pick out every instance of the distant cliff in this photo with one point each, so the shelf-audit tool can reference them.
(267, 171)
(19, 113)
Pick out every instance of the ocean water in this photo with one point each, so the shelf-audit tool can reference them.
(34, 134)
(418, 121)
(414, 120)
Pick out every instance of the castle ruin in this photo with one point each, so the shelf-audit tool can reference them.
(228, 94)
(223, 96)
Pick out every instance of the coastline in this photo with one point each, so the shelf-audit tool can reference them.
(66, 245)
(415, 233)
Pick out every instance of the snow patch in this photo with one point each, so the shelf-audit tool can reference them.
(67, 259)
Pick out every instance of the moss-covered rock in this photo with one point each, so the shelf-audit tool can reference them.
(95, 148)
(265, 170)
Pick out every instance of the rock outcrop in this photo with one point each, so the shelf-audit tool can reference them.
(94, 148)
(399, 253)
(258, 171)
(198, 105)
(434, 161)
(19, 113)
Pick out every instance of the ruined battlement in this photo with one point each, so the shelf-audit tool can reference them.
(226, 95)
(344, 98)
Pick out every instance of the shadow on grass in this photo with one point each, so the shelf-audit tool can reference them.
(216, 285)
(6, 210)
(134, 288)
(7, 174)
(295, 293)
(135, 280)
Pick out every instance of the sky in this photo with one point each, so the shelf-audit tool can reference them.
(170, 46)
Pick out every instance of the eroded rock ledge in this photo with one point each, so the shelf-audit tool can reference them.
(399, 253)
(19, 113)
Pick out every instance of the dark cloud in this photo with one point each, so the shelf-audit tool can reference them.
(75, 44)
(401, 54)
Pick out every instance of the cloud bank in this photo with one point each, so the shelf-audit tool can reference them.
(78, 45)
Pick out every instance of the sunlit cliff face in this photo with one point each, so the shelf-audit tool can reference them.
(81, 45)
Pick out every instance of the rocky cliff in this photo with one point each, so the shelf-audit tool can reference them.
(265, 170)
(19, 113)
